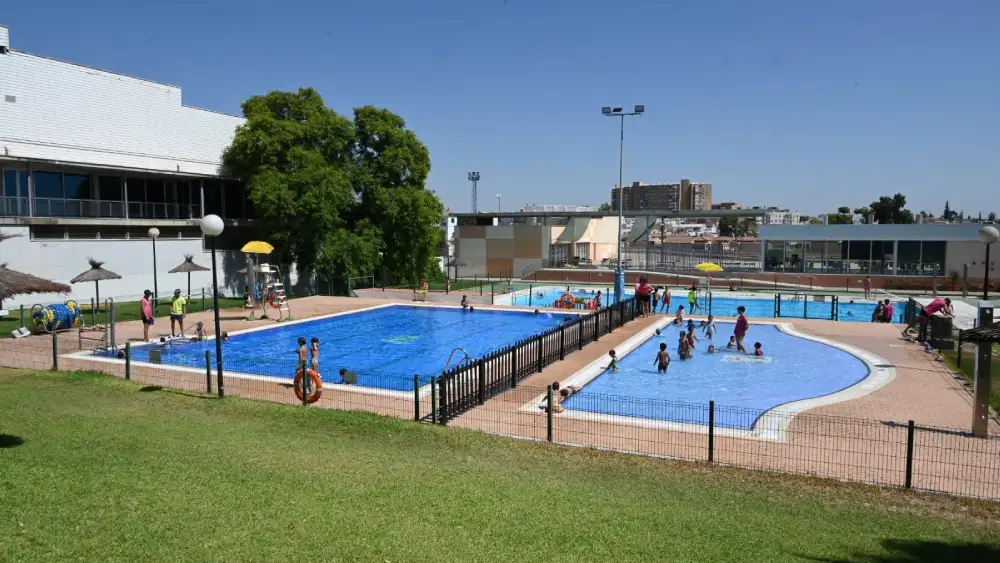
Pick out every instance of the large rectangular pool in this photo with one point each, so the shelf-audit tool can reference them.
(385, 346)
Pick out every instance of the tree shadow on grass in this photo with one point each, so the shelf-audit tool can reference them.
(10, 441)
(917, 551)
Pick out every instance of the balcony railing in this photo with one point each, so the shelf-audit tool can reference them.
(96, 209)
(14, 207)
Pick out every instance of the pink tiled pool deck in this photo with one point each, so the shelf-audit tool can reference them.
(861, 439)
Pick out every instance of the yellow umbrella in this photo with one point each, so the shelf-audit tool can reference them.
(709, 268)
(257, 247)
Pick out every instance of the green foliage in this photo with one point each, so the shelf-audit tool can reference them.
(737, 228)
(604, 207)
(891, 210)
(338, 197)
(843, 216)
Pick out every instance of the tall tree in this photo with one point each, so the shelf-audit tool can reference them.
(991, 218)
(604, 207)
(841, 217)
(947, 211)
(332, 194)
(891, 210)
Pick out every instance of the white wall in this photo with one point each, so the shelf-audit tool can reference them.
(62, 260)
(75, 114)
(973, 254)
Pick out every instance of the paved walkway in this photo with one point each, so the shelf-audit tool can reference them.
(863, 439)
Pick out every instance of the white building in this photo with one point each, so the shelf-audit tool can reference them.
(777, 216)
(92, 159)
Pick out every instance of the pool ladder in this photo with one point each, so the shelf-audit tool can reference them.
(450, 357)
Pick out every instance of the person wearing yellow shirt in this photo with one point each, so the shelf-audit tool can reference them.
(178, 306)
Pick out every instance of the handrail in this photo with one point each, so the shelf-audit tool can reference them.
(462, 350)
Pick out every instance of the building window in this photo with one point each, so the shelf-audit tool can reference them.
(932, 257)
(110, 188)
(15, 193)
(48, 185)
(76, 186)
(234, 199)
(583, 250)
(213, 197)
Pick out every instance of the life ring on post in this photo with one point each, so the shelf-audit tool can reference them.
(314, 386)
(568, 300)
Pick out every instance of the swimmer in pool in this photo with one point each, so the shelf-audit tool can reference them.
(659, 332)
(732, 342)
(613, 366)
(199, 332)
(757, 350)
(691, 338)
(709, 327)
(662, 359)
(303, 351)
(683, 349)
(465, 302)
(711, 348)
(679, 319)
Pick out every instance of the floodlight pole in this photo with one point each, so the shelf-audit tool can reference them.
(619, 113)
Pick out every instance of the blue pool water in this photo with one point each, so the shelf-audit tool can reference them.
(793, 369)
(725, 306)
(386, 347)
(546, 296)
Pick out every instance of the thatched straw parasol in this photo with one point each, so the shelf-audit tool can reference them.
(14, 283)
(187, 267)
(96, 274)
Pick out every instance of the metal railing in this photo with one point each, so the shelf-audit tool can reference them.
(99, 209)
(14, 206)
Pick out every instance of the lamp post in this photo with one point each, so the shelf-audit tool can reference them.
(211, 227)
(474, 178)
(988, 234)
(153, 234)
(498, 203)
(608, 111)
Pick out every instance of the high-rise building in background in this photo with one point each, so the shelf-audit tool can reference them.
(684, 196)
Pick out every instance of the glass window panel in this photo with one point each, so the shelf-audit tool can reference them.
(110, 188)
(933, 257)
(774, 255)
(213, 197)
(48, 185)
(154, 191)
(76, 186)
(10, 183)
(136, 190)
(234, 199)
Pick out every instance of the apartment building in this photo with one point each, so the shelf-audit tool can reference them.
(683, 196)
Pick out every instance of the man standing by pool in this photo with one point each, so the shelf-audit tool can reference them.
(742, 325)
(867, 285)
(178, 306)
(692, 299)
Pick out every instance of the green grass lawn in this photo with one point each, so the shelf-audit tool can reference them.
(125, 311)
(110, 471)
(969, 364)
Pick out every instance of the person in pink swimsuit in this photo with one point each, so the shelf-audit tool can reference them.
(146, 313)
(942, 306)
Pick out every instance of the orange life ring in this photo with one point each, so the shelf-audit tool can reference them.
(568, 299)
(317, 386)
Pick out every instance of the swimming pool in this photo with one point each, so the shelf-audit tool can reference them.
(386, 345)
(724, 303)
(793, 369)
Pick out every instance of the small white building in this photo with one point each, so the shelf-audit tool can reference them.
(777, 216)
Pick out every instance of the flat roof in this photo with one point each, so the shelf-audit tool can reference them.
(716, 213)
(959, 232)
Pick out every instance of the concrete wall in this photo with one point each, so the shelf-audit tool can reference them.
(501, 249)
(75, 114)
(973, 254)
(62, 260)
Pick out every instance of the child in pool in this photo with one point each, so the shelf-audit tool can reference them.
(314, 353)
(732, 342)
(662, 359)
(683, 349)
(709, 327)
(303, 351)
(691, 338)
(465, 302)
(199, 332)
(225, 336)
(613, 366)
(757, 350)
(679, 319)
(711, 348)
(659, 332)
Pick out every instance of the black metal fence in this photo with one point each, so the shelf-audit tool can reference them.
(471, 384)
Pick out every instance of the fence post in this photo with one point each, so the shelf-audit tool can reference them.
(443, 409)
(514, 353)
(22, 316)
(493, 295)
(481, 368)
(305, 378)
(531, 290)
(597, 326)
(208, 371)
(579, 332)
(416, 398)
(128, 360)
(55, 353)
(548, 413)
(711, 431)
(540, 350)
(434, 396)
(203, 298)
(909, 454)
(958, 352)
(562, 342)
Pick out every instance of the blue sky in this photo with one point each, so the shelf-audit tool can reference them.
(805, 104)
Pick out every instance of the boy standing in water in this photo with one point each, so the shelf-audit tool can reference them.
(662, 359)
